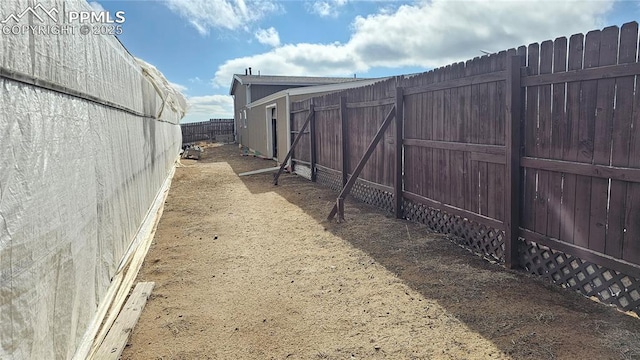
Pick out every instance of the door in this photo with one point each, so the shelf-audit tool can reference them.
(274, 132)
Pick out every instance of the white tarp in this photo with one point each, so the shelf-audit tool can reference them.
(82, 157)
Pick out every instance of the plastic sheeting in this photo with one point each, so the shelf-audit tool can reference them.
(88, 135)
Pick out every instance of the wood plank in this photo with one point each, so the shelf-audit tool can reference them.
(475, 137)
(455, 130)
(587, 170)
(260, 171)
(570, 142)
(118, 335)
(397, 180)
(445, 155)
(500, 114)
(530, 149)
(558, 119)
(457, 146)
(512, 157)
(496, 224)
(631, 242)
(427, 132)
(602, 140)
(543, 136)
(585, 144)
(438, 134)
(493, 191)
(488, 158)
(483, 137)
(621, 141)
(345, 139)
(363, 161)
(312, 146)
(599, 73)
(327, 107)
(466, 137)
(299, 110)
(409, 130)
(461, 82)
(371, 103)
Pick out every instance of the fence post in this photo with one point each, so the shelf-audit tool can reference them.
(512, 171)
(345, 141)
(397, 180)
(312, 143)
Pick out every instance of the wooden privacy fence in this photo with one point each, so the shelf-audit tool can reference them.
(212, 130)
(530, 156)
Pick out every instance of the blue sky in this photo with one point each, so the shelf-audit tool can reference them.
(200, 44)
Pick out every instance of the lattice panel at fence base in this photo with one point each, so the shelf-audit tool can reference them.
(361, 191)
(303, 171)
(370, 195)
(477, 237)
(609, 286)
(330, 179)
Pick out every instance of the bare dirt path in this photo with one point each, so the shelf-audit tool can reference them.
(246, 270)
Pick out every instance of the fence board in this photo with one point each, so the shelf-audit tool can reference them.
(558, 120)
(571, 141)
(631, 242)
(603, 118)
(585, 146)
(530, 148)
(542, 137)
(620, 148)
(475, 137)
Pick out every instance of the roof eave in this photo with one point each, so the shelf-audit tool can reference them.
(233, 83)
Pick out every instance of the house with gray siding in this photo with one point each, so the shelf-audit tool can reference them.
(261, 108)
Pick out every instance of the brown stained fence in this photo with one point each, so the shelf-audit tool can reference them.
(530, 156)
(212, 130)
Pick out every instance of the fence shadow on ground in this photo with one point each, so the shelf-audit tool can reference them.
(523, 316)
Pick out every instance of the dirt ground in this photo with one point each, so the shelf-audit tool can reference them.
(247, 270)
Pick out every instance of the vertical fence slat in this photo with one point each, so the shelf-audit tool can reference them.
(467, 123)
(492, 135)
(543, 137)
(475, 122)
(558, 119)
(312, 145)
(631, 243)
(398, 151)
(586, 131)
(571, 141)
(512, 179)
(603, 121)
(345, 139)
(530, 127)
(621, 140)
(483, 136)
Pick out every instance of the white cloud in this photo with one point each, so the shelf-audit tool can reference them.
(203, 108)
(205, 15)
(427, 34)
(327, 8)
(195, 80)
(300, 59)
(181, 88)
(268, 37)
